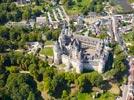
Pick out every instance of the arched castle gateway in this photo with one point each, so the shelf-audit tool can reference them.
(80, 52)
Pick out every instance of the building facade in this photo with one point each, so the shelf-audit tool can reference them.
(130, 94)
(80, 52)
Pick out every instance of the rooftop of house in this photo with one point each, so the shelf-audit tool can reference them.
(40, 19)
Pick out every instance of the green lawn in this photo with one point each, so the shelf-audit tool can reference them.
(62, 65)
(48, 51)
(128, 37)
(131, 1)
(49, 42)
(77, 7)
(106, 96)
(84, 96)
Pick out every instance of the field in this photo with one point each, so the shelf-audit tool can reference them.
(49, 42)
(129, 37)
(131, 1)
(48, 51)
(106, 96)
(77, 7)
(114, 89)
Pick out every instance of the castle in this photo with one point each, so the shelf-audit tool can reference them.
(80, 52)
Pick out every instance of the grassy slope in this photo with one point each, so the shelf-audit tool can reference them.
(77, 8)
(49, 42)
(131, 1)
(48, 51)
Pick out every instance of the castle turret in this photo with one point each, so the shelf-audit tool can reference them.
(80, 67)
(75, 49)
(57, 53)
(64, 38)
(101, 66)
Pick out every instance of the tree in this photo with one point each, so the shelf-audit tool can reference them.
(131, 50)
(58, 84)
(99, 7)
(31, 96)
(103, 35)
(18, 15)
(69, 3)
(79, 0)
(70, 77)
(13, 6)
(64, 94)
(83, 83)
(1, 60)
(36, 12)
(88, 80)
(37, 2)
(20, 85)
(26, 14)
(55, 34)
(95, 79)
(3, 17)
(84, 96)
(3, 76)
(118, 8)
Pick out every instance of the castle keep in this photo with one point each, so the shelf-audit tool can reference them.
(80, 52)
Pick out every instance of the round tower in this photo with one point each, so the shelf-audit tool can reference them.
(57, 53)
(101, 66)
(80, 66)
(75, 49)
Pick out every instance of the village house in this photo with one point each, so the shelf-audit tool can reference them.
(41, 21)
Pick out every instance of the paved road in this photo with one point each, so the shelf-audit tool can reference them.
(48, 46)
(25, 72)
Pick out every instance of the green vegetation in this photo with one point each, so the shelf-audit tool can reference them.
(129, 39)
(12, 12)
(51, 34)
(21, 86)
(131, 1)
(16, 37)
(56, 83)
(77, 6)
(74, 7)
(48, 51)
(118, 67)
(15, 85)
(107, 96)
(12, 69)
(84, 96)
(102, 35)
(49, 42)
(25, 76)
